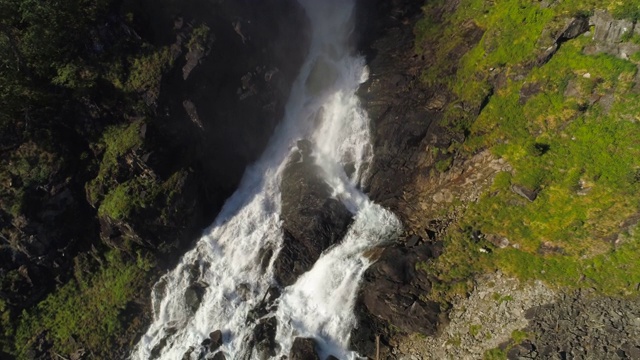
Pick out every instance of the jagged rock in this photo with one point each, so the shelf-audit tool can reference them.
(312, 219)
(609, 35)
(265, 305)
(303, 349)
(526, 193)
(583, 325)
(574, 28)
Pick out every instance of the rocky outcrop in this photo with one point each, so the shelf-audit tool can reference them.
(613, 36)
(311, 218)
(216, 76)
(572, 29)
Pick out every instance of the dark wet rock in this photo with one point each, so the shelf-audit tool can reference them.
(187, 354)
(525, 192)
(193, 296)
(413, 240)
(219, 356)
(331, 357)
(390, 298)
(264, 335)
(265, 258)
(303, 349)
(215, 340)
(266, 304)
(312, 219)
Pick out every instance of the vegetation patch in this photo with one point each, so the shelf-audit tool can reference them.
(88, 311)
(569, 128)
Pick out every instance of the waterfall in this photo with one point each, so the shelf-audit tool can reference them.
(218, 283)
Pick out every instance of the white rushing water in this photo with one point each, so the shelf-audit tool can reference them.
(226, 261)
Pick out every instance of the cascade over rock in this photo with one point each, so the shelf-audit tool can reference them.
(312, 219)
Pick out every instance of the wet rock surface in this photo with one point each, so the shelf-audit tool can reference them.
(312, 219)
(303, 349)
(264, 339)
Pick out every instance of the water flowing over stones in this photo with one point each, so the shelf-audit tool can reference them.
(298, 219)
(312, 219)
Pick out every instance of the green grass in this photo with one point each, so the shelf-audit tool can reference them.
(474, 329)
(88, 309)
(581, 154)
(494, 354)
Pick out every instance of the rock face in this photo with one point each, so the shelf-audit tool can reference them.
(303, 349)
(312, 219)
(391, 295)
(393, 287)
(612, 36)
(404, 118)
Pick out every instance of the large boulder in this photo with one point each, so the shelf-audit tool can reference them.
(312, 219)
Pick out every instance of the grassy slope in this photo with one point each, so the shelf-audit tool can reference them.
(581, 155)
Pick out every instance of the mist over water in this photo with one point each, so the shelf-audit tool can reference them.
(226, 262)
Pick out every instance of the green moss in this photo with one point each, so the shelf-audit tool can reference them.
(518, 336)
(116, 142)
(90, 314)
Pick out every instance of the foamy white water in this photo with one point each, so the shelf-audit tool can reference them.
(226, 261)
